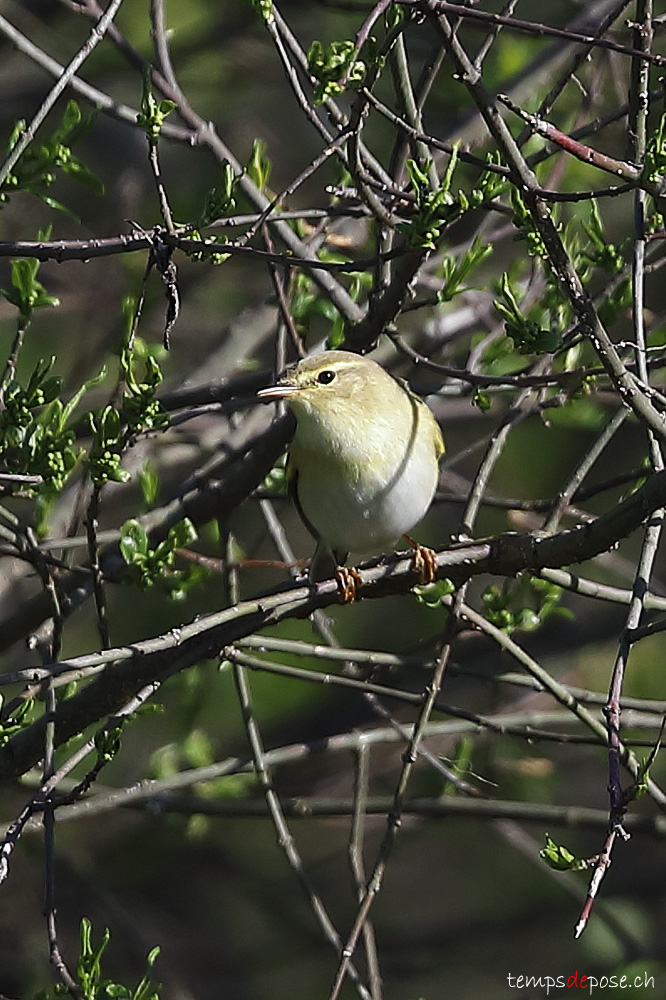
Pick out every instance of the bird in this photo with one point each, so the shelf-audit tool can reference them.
(363, 464)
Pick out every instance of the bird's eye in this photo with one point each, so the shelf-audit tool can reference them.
(325, 377)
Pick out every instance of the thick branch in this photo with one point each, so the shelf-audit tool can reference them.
(214, 498)
(136, 665)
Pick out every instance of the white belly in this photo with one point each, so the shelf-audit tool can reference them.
(371, 514)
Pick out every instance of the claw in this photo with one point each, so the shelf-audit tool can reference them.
(424, 562)
(349, 580)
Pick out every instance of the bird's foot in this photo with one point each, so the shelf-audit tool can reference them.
(349, 580)
(424, 562)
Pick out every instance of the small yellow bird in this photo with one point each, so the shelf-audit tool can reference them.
(363, 464)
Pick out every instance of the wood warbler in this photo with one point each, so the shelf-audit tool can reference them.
(362, 466)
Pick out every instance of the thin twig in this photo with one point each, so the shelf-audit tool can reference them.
(28, 134)
(284, 837)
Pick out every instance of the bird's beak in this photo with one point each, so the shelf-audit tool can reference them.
(277, 392)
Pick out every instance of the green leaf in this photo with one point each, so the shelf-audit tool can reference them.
(71, 119)
(456, 273)
(27, 293)
(34, 436)
(259, 166)
(182, 534)
(462, 762)
(418, 177)
(525, 226)
(431, 594)
(332, 65)
(108, 744)
(482, 401)
(20, 718)
(527, 334)
(78, 171)
(148, 566)
(133, 542)
(438, 206)
(655, 159)
(40, 165)
(559, 858)
(265, 7)
(197, 749)
(221, 199)
(141, 410)
(153, 113)
(149, 481)
(105, 453)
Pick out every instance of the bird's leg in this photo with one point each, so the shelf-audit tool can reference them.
(326, 562)
(424, 561)
(349, 580)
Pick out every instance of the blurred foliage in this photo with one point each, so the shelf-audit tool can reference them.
(38, 168)
(89, 974)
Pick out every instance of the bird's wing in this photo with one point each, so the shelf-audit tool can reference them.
(324, 560)
(437, 436)
(440, 447)
(428, 415)
(292, 489)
